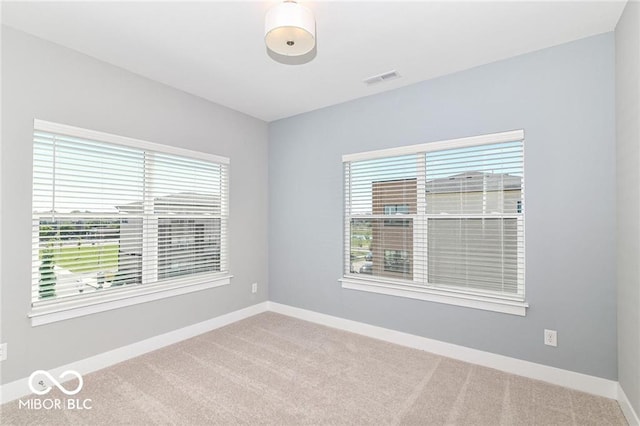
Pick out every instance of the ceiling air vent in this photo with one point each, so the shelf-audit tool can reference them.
(389, 75)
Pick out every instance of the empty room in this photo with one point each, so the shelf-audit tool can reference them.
(320, 212)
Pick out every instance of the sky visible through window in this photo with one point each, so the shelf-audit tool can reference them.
(97, 178)
(500, 158)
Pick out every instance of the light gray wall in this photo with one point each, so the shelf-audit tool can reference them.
(564, 99)
(49, 82)
(628, 199)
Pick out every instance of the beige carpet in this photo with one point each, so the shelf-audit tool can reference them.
(272, 369)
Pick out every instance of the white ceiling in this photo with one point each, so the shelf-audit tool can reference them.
(215, 50)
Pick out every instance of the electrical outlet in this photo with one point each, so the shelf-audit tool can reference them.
(551, 338)
(254, 288)
(3, 351)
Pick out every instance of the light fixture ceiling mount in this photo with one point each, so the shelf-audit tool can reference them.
(290, 29)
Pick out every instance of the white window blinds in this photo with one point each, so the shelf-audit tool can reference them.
(446, 216)
(111, 213)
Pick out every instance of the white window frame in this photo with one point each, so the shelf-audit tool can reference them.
(48, 311)
(453, 296)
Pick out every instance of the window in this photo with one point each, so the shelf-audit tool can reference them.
(457, 232)
(117, 218)
(396, 208)
(397, 261)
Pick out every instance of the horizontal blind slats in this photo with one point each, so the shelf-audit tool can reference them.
(109, 216)
(452, 217)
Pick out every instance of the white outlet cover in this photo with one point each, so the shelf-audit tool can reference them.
(3, 352)
(551, 338)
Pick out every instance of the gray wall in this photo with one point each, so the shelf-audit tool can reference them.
(49, 82)
(628, 199)
(564, 99)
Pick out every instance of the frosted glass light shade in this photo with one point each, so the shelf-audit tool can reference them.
(290, 29)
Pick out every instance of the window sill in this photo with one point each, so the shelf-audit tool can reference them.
(64, 310)
(432, 295)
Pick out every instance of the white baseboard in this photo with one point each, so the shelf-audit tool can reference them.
(578, 381)
(582, 382)
(20, 388)
(627, 409)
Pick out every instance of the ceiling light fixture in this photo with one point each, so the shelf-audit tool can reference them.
(290, 29)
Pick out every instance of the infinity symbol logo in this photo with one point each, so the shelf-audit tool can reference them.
(44, 389)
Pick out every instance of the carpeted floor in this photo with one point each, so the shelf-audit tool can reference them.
(272, 369)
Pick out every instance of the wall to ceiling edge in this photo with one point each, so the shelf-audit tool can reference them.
(564, 99)
(49, 82)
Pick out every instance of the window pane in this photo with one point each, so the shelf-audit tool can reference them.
(185, 186)
(72, 175)
(81, 255)
(474, 253)
(483, 179)
(397, 261)
(391, 181)
(188, 246)
(382, 248)
(361, 255)
(130, 254)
